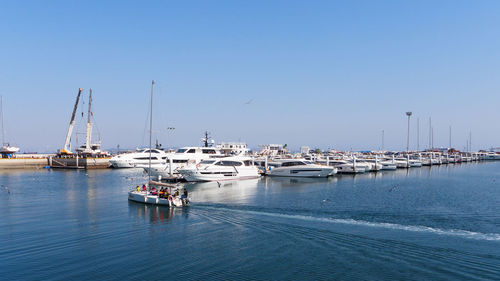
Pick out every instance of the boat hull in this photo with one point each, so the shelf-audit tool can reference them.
(322, 172)
(142, 197)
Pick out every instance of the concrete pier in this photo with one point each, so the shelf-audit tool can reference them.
(25, 161)
(76, 162)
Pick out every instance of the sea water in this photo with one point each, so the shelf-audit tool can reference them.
(429, 223)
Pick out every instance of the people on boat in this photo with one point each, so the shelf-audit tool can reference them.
(161, 192)
(177, 192)
(168, 195)
(185, 194)
(184, 197)
(143, 187)
(138, 188)
(153, 191)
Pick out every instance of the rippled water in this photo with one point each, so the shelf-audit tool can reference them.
(423, 223)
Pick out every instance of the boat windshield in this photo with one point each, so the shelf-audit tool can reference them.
(207, 162)
(181, 150)
(292, 163)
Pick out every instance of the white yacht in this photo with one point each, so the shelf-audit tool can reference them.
(349, 167)
(384, 164)
(492, 156)
(301, 168)
(227, 168)
(369, 166)
(189, 155)
(134, 159)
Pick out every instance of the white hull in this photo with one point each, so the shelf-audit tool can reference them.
(221, 174)
(492, 157)
(303, 172)
(9, 149)
(132, 164)
(197, 177)
(135, 159)
(142, 197)
(349, 169)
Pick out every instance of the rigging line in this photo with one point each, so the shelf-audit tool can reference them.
(96, 127)
(145, 128)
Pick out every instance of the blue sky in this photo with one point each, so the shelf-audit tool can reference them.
(327, 74)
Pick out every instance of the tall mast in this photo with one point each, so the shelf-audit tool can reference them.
(430, 133)
(150, 129)
(450, 136)
(382, 140)
(418, 134)
(89, 125)
(66, 148)
(1, 116)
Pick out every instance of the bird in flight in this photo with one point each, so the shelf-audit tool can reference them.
(249, 102)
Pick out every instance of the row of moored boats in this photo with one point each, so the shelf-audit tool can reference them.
(196, 164)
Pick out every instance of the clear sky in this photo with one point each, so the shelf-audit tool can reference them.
(327, 74)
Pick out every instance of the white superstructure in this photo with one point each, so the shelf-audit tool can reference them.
(233, 148)
(189, 155)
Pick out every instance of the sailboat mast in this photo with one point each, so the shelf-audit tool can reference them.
(1, 111)
(150, 129)
(89, 125)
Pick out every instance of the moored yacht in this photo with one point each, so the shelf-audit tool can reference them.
(348, 167)
(133, 159)
(384, 164)
(227, 168)
(301, 168)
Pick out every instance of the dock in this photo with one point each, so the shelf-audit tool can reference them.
(77, 162)
(25, 161)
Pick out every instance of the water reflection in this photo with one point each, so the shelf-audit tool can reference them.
(156, 214)
(288, 182)
(243, 190)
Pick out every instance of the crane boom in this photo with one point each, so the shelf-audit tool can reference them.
(66, 149)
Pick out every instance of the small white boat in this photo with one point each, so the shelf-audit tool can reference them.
(153, 196)
(227, 168)
(6, 148)
(301, 168)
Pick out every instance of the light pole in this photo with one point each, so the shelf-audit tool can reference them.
(408, 138)
(170, 129)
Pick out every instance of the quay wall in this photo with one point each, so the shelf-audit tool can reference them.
(23, 163)
(79, 163)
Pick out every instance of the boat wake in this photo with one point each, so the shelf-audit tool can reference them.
(383, 225)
